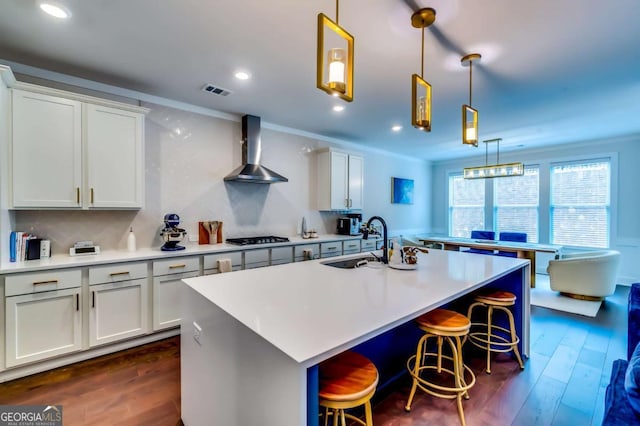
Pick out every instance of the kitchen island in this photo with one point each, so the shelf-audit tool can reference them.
(251, 340)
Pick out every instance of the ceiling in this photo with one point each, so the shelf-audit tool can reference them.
(552, 71)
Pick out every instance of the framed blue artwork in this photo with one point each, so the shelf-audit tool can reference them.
(401, 191)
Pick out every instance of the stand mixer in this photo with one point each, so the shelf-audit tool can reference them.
(171, 234)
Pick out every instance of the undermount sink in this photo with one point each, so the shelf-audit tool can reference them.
(351, 263)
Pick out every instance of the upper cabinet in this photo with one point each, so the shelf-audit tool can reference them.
(75, 152)
(340, 181)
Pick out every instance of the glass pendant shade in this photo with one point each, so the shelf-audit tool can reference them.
(420, 103)
(469, 126)
(334, 59)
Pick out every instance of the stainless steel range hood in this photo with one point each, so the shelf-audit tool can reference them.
(251, 171)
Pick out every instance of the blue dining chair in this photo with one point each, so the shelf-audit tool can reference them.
(482, 235)
(519, 237)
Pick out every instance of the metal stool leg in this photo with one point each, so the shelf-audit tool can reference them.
(489, 326)
(514, 337)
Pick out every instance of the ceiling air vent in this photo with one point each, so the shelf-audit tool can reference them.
(216, 90)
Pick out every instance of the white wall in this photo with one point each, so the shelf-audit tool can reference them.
(625, 201)
(184, 175)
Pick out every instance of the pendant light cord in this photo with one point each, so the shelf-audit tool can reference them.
(422, 63)
(470, 81)
(337, 13)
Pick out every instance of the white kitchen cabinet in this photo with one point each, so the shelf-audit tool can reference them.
(115, 157)
(340, 181)
(167, 283)
(211, 262)
(68, 152)
(256, 258)
(331, 249)
(281, 255)
(46, 151)
(118, 302)
(306, 252)
(368, 245)
(350, 246)
(43, 316)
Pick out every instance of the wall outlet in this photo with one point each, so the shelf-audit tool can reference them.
(193, 238)
(197, 332)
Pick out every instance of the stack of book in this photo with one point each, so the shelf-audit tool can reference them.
(25, 246)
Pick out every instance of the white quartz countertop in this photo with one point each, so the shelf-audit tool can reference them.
(312, 311)
(191, 249)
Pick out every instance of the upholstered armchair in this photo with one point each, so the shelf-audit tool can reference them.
(587, 275)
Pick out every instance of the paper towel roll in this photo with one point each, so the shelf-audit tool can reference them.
(224, 265)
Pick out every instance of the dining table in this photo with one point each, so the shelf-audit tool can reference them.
(521, 250)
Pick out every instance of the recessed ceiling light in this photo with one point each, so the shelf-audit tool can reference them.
(396, 128)
(242, 75)
(338, 108)
(55, 10)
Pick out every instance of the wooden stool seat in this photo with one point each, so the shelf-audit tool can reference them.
(445, 327)
(499, 298)
(495, 338)
(347, 380)
(443, 320)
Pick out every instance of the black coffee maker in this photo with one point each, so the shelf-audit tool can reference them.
(349, 224)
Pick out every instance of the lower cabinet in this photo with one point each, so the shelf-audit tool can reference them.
(43, 316)
(331, 249)
(306, 252)
(167, 284)
(351, 246)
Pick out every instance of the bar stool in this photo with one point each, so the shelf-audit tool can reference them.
(451, 327)
(489, 340)
(347, 380)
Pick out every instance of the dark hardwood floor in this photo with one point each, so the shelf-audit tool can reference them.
(563, 382)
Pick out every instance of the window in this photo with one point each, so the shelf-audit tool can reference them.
(580, 203)
(515, 203)
(466, 205)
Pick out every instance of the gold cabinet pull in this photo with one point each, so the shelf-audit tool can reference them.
(77, 195)
(45, 282)
(113, 274)
(91, 191)
(177, 266)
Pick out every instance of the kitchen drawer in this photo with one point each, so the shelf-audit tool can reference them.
(119, 272)
(256, 258)
(351, 246)
(37, 282)
(299, 252)
(331, 249)
(211, 260)
(368, 245)
(177, 265)
(281, 255)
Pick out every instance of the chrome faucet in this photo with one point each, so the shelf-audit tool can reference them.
(365, 235)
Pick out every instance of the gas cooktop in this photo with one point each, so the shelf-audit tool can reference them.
(244, 241)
